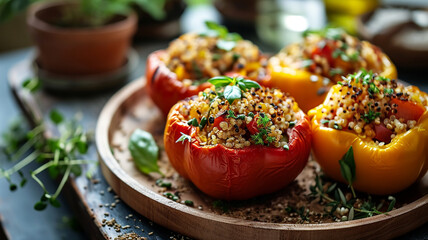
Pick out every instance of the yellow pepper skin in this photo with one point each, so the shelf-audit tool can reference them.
(380, 170)
(307, 88)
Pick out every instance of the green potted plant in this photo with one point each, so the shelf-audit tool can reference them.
(85, 37)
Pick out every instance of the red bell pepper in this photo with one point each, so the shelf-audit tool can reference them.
(236, 174)
(163, 86)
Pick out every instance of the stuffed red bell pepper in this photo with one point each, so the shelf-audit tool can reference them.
(182, 70)
(238, 140)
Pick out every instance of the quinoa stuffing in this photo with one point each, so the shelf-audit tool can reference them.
(331, 53)
(195, 58)
(260, 116)
(369, 105)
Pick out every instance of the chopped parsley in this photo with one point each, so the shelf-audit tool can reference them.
(388, 91)
(193, 122)
(370, 116)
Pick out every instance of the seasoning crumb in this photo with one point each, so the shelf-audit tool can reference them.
(150, 233)
(109, 189)
(102, 192)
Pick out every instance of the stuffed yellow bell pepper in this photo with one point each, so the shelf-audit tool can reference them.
(385, 123)
(308, 69)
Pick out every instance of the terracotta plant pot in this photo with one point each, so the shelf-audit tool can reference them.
(78, 51)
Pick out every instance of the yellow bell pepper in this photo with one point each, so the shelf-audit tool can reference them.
(309, 89)
(379, 169)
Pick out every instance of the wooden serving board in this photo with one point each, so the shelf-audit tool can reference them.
(132, 108)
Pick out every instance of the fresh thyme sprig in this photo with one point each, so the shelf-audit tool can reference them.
(335, 198)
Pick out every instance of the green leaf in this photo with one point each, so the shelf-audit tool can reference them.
(32, 84)
(225, 45)
(331, 188)
(56, 117)
(23, 182)
(155, 9)
(347, 166)
(13, 187)
(193, 122)
(203, 123)
(231, 93)
(220, 81)
(144, 151)
(392, 203)
(76, 170)
(342, 197)
(53, 172)
(351, 214)
(250, 84)
(39, 206)
(219, 30)
(189, 203)
(54, 202)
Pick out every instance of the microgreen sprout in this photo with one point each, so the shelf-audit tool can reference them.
(60, 156)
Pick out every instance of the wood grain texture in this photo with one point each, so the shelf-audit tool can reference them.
(131, 108)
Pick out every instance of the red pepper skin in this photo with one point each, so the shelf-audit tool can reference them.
(236, 174)
(163, 86)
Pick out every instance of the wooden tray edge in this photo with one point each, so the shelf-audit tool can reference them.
(227, 227)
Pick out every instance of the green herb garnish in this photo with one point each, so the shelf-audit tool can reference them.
(347, 168)
(193, 122)
(227, 41)
(144, 151)
(60, 156)
(183, 138)
(370, 116)
(32, 84)
(233, 87)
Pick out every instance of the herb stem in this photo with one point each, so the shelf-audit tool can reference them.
(27, 160)
(353, 192)
(22, 150)
(64, 179)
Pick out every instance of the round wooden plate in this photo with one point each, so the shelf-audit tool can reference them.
(132, 108)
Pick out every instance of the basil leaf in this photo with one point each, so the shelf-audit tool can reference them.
(231, 93)
(250, 84)
(220, 81)
(242, 86)
(233, 37)
(221, 31)
(144, 151)
(225, 44)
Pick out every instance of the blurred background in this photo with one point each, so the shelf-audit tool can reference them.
(399, 27)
